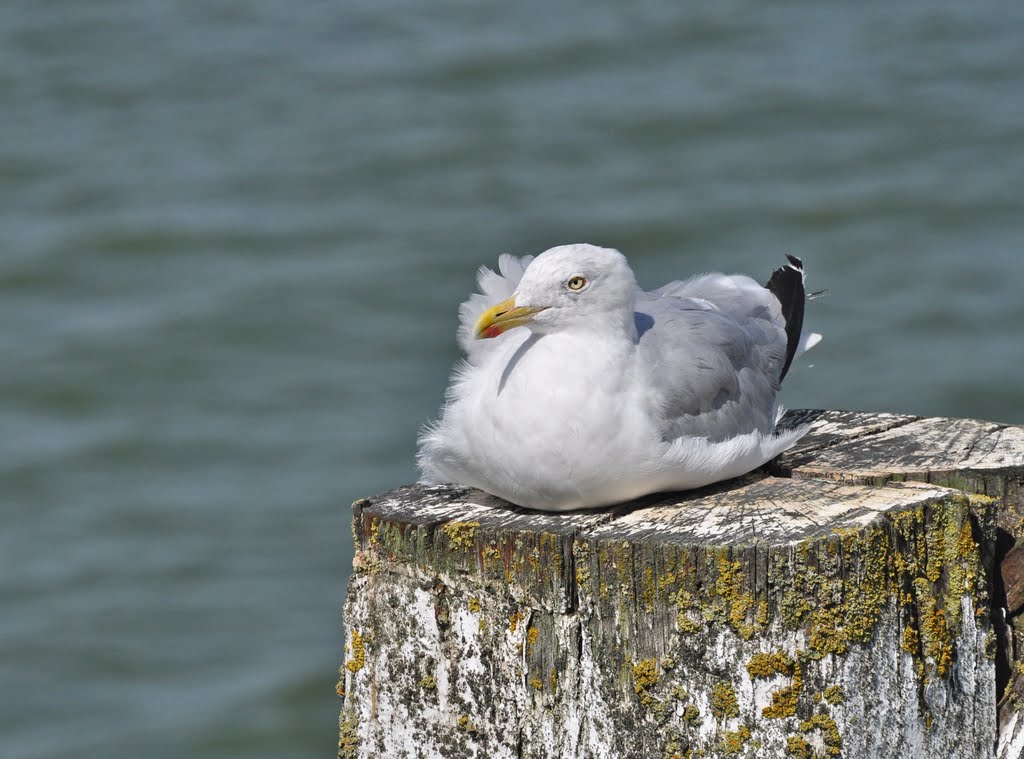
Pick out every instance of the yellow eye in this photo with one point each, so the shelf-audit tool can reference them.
(576, 283)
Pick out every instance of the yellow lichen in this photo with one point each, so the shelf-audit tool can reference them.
(768, 665)
(784, 700)
(531, 636)
(723, 701)
(514, 620)
(729, 587)
(829, 733)
(536, 683)
(734, 741)
(461, 534)
(581, 554)
(798, 748)
(428, 683)
(936, 639)
(848, 611)
(686, 625)
(491, 557)
(645, 674)
(474, 605)
(834, 694)
(691, 714)
(761, 618)
(358, 659)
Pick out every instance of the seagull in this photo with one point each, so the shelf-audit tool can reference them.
(581, 390)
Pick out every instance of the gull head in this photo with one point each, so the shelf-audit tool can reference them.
(572, 286)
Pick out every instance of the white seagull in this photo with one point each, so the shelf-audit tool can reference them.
(581, 390)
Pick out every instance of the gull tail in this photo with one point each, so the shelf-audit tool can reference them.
(787, 285)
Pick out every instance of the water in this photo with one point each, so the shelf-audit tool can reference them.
(233, 237)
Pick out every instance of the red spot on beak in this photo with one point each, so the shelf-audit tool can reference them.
(492, 331)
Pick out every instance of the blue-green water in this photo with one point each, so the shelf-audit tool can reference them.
(233, 238)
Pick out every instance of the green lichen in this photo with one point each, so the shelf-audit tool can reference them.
(675, 745)
(991, 646)
(465, 723)
(428, 683)
(581, 556)
(723, 701)
(348, 735)
(834, 694)
(794, 608)
(648, 590)
(622, 562)
(684, 579)
(691, 714)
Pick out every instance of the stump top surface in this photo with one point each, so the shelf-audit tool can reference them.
(829, 481)
(770, 510)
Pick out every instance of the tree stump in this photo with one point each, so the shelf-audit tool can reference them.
(854, 598)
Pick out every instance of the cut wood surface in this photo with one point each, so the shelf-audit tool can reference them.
(846, 600)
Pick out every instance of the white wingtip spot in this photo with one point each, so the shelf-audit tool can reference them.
(807, 342)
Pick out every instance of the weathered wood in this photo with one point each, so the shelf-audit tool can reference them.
(977, 457)
(825, 606)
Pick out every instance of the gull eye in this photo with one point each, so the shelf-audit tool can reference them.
(576, 283)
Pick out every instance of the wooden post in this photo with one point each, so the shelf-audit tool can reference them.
(848, 600)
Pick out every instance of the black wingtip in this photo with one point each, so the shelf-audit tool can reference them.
(787, 285)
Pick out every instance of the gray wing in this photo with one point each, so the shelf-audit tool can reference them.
(494, 286)
(715, 347)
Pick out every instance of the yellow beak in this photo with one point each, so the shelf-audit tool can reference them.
(503, 317)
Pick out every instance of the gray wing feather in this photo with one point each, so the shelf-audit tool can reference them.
(716, 347)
